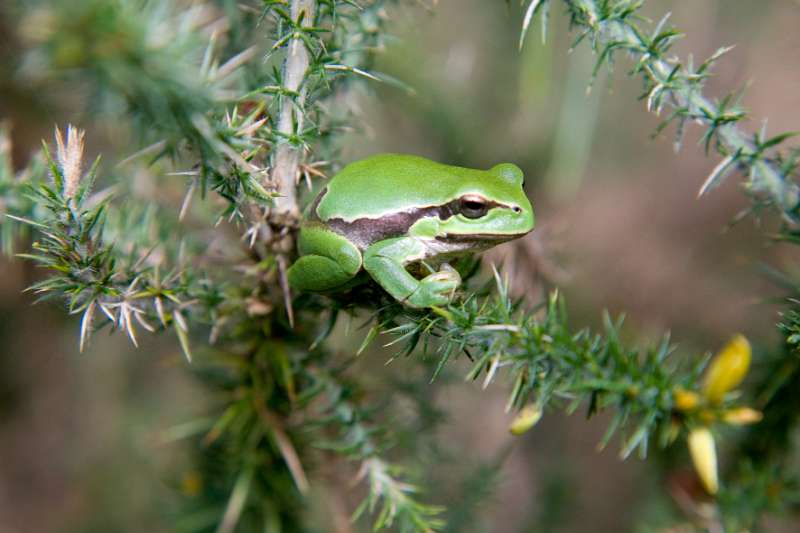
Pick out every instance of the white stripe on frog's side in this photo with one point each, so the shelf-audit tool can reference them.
(443, 250)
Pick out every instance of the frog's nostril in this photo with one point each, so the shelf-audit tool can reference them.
(517, 209)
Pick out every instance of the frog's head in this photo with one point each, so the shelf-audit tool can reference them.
(491, 207)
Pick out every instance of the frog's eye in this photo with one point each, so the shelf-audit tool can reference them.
(473, 206)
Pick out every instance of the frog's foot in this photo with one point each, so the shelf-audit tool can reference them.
(435, 289)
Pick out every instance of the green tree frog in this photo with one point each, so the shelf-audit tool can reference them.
(388, 212)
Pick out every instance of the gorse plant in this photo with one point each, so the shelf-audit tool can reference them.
(234, 107)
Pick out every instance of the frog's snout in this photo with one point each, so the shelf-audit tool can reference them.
(525, 218)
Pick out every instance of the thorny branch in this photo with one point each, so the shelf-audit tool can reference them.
(612, 26)
(286, 156)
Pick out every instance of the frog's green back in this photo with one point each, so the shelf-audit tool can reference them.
(389, 183)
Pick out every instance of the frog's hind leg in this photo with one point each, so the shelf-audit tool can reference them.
(327, 260)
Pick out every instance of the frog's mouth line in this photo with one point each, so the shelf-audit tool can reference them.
(480, 236)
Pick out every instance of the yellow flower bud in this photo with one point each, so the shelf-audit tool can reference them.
(741, 416)
(727, 369)
(526, 419)
(673, 430)
(685, 400)
(704, 457)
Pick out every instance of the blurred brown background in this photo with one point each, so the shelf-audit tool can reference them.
(619, 227)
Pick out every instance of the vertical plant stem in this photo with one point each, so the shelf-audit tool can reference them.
(286, 156)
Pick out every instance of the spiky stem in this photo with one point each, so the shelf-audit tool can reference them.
(286, 158)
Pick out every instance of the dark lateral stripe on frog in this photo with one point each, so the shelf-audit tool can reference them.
(365, 231)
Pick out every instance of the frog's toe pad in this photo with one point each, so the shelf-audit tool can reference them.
(436, 289)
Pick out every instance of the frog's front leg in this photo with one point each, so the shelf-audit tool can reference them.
(386, 262)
